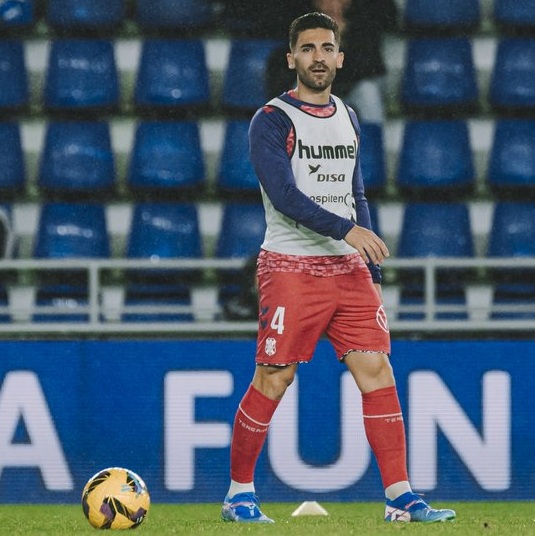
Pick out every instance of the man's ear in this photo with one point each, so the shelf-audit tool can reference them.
(290, 60)
(340, 60)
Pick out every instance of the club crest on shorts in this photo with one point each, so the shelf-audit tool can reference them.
(271, 346)
(381, 318)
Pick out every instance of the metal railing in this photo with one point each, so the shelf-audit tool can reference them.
(96, 315)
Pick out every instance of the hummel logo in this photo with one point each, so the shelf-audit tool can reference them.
(264, 310)
(313, 169)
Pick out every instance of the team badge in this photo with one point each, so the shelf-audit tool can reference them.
(271, 346)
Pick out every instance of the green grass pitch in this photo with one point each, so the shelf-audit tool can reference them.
(473, 518)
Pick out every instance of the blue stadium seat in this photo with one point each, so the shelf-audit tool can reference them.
(511, 170)
(236, 174)
(174, 14)
(162, 231)
(372, 158)
(515, 15)
(81, 77)
(439, 76)
(72, 230)
(16, 15)
(244, 84)
(172, 76)
(454, 16)
(435, 160)
(68, 231)
(14, 91)
(242, 233)
(512, 85)
(437, 230)
(242, 230)
(75, 16)
(13, 169)
(512, 235)
(77, 160)
(166, 157)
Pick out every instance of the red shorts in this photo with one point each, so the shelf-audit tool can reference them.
(296, 309)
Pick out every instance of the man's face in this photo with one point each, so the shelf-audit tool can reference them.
(315, 58)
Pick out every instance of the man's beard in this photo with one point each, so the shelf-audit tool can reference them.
(309, 80)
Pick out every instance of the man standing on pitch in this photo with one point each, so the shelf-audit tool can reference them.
(318, 272)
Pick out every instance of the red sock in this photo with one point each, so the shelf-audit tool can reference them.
(383, 422)
(249, 434)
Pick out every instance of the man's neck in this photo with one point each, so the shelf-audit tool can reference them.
(304, 94)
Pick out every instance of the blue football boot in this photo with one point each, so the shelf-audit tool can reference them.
(243, 508)
(411, 507)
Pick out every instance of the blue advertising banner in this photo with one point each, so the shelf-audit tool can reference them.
(165, 410)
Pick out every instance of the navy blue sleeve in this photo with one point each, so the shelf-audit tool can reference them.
(268, 135)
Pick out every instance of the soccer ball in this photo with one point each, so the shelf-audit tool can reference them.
(115, 498)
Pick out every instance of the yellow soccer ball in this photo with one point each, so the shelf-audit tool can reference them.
(115, 498)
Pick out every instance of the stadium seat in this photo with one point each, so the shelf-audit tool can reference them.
(511, 171)
(182, 15)
(242, 232)
(454, 16)
(435, 230)
(166, 158)
(13, 169)
(439, 77)
(512, 84)
(512, 235)
(236, 174)
(68, 231)
(244, 84)
(515, 15)
(81, 77)
(372, 158)
(14, 91)
(77, 160)
(172, 77)
(162, 231)
(16, 15)
(85, 16)
(435, 161)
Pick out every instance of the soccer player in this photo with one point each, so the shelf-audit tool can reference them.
(318, 272)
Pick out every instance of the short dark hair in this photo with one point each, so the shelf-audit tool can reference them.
(311, 21)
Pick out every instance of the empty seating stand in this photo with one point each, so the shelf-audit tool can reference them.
(511, 170)
(435, 161)
(438, 230)
(172, 78)
(244, 84)
(81, 78)
(161, 231)
(16, 16)
(14, 90)
(439, 77)
(512, 235)
(515, 16)
(236, 176)
(68, 231)
(91, 17)
(166, 159)
(512, 84)
(77, 161)
(171, 15)
(452, 17)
